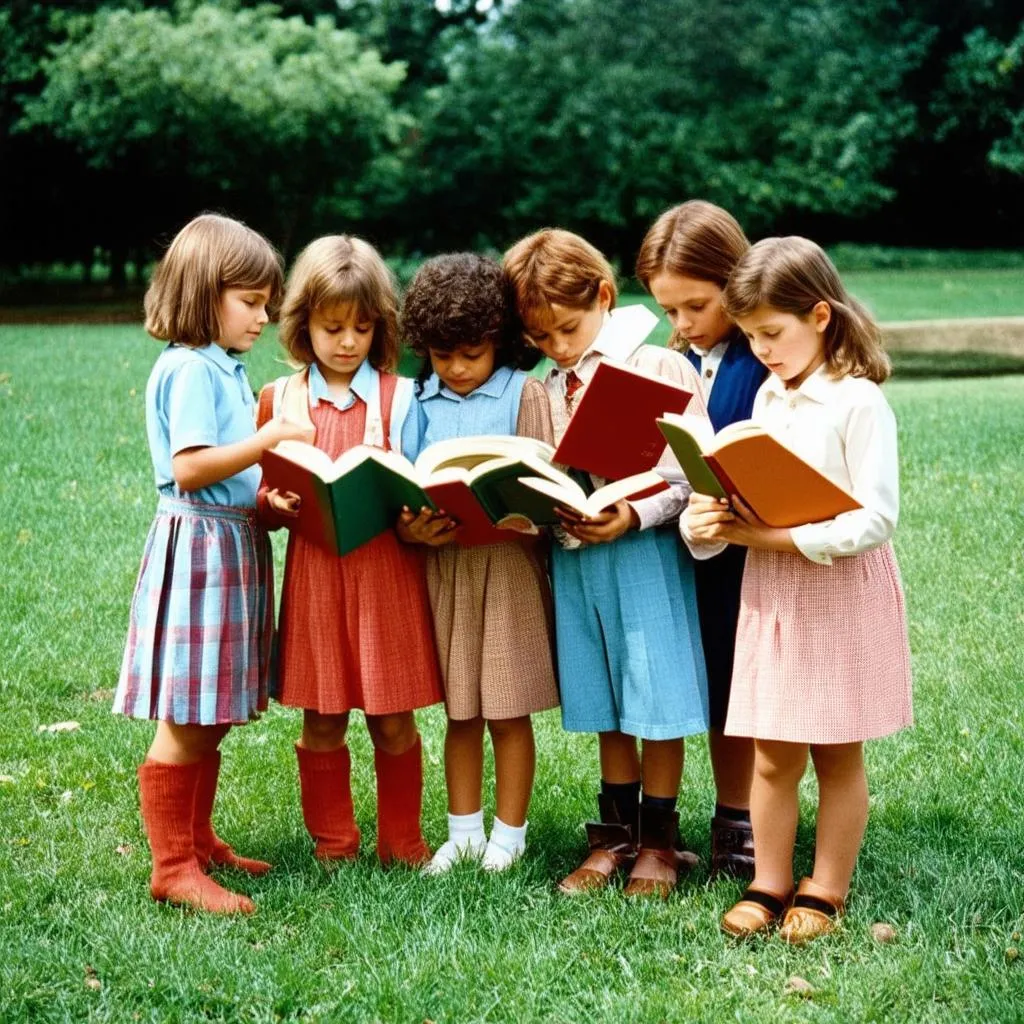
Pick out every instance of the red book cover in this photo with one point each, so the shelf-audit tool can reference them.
(613, 432)
(461, 504)
(315, 520)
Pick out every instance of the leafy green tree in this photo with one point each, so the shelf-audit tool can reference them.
(599, 113)
(275, 119)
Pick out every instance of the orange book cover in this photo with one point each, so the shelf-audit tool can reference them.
(613, 432)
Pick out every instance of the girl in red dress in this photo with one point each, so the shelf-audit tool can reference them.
(355, 630)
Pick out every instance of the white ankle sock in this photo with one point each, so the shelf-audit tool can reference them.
(467, 829)
(507, 845)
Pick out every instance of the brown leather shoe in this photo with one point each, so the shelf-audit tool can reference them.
(814, 912)
(756, 913)
(659, 858)
(732, 848)
(611, 850)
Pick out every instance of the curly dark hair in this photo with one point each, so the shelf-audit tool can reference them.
(463, 299)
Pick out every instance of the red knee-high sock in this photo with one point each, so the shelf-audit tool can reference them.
(399, 803)
(210, 848)
(325, 781)
(167, 793)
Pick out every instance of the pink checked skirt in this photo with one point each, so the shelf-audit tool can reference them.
(821, 650)
(202, 618)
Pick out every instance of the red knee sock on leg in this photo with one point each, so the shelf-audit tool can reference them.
(167, 794)
(399, 803)
(210, 848)
(325, 781)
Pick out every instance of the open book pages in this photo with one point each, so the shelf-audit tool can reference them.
(567, 493)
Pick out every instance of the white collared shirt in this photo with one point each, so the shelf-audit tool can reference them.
(621, 338)
(846, 430)
(709, 363)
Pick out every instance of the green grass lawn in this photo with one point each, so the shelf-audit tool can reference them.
(943, 860)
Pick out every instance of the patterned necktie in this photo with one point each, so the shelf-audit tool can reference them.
(572, 385)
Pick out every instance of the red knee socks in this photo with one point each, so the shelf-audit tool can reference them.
(326, 788)
(399, 802)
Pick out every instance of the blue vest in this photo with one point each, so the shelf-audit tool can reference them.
(740, 374)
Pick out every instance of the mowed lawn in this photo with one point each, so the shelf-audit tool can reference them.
(943, 861)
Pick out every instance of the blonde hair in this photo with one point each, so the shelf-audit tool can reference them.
(694, 239)
(792, 275)
(209, 254)
(554, 267)
(336, 270)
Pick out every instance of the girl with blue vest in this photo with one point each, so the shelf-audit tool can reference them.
(491, 604)
(628, 639)
(684, 262)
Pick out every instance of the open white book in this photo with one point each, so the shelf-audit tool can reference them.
(566, 493)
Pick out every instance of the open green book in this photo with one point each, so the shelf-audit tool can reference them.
(475, 480)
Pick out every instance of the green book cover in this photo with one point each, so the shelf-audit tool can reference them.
(689, 455)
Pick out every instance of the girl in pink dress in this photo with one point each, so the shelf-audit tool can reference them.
(355, 630)
(822, 659)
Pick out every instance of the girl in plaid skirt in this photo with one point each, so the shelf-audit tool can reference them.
(822, 661)
(196, 658)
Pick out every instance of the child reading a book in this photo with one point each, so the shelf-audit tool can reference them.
(627, 636)
(491, 603)
(822, 660)
(355, 630)
(202, 614)
(684, 262)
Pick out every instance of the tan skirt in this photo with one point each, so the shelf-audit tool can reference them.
(493, 624)
(821, 650)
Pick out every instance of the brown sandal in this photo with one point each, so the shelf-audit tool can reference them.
(814, 912)
(756, 913)
(659, 860)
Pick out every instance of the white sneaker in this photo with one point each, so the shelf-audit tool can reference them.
(497, 858)
(449, 854)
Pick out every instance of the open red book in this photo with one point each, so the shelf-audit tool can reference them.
(614, 432)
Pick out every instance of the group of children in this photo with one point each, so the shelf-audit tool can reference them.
(657, 619)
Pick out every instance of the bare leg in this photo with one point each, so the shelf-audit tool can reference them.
(185, 744)
(393, 734)
(514, 763)
(662, 767)
(774, 812)
(732, 764)
(464, 764)
(323, 733)
(619, 760)
(842, 813)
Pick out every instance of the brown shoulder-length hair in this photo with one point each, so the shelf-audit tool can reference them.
(208, 254)
(793, 275)
(694, 239)
(337, 270)
(554, 267)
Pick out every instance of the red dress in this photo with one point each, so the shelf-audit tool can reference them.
(355, 631)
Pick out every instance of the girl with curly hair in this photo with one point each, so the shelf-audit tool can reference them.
(491, 604)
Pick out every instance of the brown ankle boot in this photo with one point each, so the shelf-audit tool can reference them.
(612, 848)
(210, 848)
(167, 794)
(732, 848)
(325, 784)
(399, 804)
(660, 857)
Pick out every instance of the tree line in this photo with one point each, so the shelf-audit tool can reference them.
(441, 124)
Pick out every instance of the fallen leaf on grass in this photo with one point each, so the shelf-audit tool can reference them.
(102, 694)
(124, 849)
(91, 981)
(24, 536)
(1013, 953)
(883, 933)
(797, 986)
(4, 377)
(59, 727)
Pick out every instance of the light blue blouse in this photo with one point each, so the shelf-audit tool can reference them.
(200, 398)
(439, 414)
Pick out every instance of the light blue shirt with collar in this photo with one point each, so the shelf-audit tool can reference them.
(365, 380)
(440, 414)
(200, 398)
